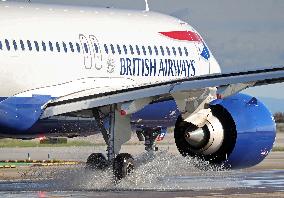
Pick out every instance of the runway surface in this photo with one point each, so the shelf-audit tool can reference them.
(165, 175)
(231, 184)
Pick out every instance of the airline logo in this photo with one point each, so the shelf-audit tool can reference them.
(166, 67)
(189, 36)
(154, 67)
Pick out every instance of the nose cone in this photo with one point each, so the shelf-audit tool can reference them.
(195, 138)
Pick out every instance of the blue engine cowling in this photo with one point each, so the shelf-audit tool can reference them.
(251, 124)
(249, 129)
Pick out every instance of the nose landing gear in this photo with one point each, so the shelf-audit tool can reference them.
(150, 136)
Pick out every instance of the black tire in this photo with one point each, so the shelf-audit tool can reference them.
(123, 165)
(96, 161)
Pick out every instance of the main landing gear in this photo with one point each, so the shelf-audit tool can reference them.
(123, 164)
(97, 161)
(118, 134)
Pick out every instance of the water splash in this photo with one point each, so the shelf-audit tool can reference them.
(159, 171)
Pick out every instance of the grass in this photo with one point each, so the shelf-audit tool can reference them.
(280, 127)
(10, 143)
(278, 149)
(14, 164)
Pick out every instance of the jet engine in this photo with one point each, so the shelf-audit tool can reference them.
(239, 134)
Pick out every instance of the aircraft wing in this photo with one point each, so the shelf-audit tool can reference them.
(77, 103)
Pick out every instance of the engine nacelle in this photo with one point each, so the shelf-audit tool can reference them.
(240, 133)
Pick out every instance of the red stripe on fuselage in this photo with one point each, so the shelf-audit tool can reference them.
(183, 35)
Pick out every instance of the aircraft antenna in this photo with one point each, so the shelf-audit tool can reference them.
(147, 9)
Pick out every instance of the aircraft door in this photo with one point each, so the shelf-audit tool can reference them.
(88, 60)
(97, 53)
(204, 57)
(203, 54)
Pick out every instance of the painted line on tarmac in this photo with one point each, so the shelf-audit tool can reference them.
(7, 166)
(35, 161)
(16, 163)
(57, 164)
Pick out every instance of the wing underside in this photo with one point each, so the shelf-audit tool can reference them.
(160, 91)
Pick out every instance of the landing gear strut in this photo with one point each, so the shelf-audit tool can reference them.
(118, 133)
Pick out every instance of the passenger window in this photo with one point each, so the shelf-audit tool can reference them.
(156, 50)
(185, 50)
(118, 49)
(15, 45)
(144, 50)
(112, 49)
(71, 47)
(78, 47)
(125, 49)
(162, 50)
(168, 51)
(180, 52)
(96, 48)
(7, 45)
(50, 46)
(43, 46)
(57, 46)
(138, 50)
(174, 51)
(86, 48)
(64, 47)
(29, 45)
(36, 45)
(22, 45)
(106, 49)
(150, 50)
(131, 49)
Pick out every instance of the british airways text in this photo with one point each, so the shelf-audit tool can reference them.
(156, 67)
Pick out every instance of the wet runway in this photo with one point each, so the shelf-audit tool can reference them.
(237, 183)
(165, 175)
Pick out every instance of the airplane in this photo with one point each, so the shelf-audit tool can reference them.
(75, 71)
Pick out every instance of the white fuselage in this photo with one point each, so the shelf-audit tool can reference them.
(47, 50)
